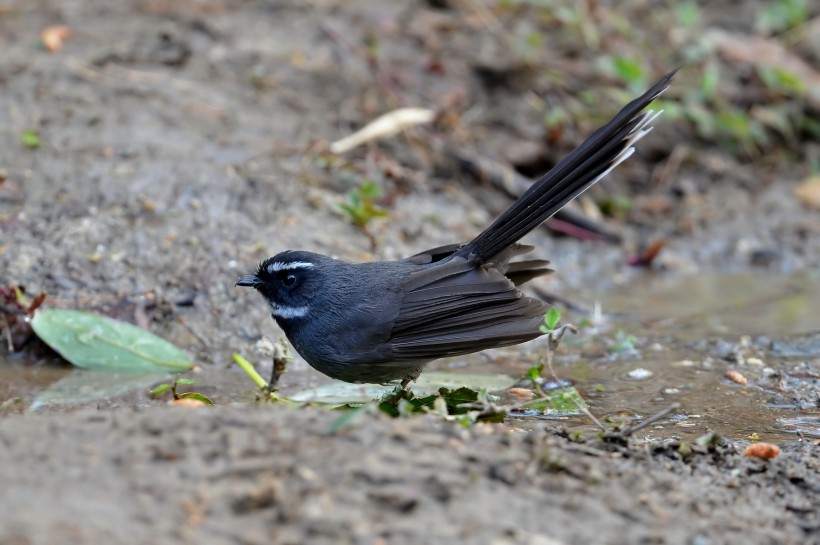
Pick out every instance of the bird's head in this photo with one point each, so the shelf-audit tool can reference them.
(288, 281)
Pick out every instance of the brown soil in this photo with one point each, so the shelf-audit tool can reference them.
(269, 475)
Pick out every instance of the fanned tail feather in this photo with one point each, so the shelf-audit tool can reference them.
(605, 149)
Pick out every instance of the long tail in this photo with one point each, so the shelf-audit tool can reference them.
(605, 149)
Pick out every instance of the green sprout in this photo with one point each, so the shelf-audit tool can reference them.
(361, 206)
(265, 387)
(250, 370)
(782, 15)
(162, 388)
(688, 14)
(551, 319)
(31, 139)
(624, 342)
(630, 71)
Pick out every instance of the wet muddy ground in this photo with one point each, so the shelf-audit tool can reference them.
(178, 143)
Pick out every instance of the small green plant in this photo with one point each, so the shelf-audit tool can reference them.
(463, 405)
(551, 319)
(780, 79)
(162, 388)
(782, 15)
(250, 370)
(688, 14)
(554, 335)
(361, 207)
(630, 71)
(534, 372)
(564, 398)
(31, 139)
(709, 80)
(623, 342)
(616, 206)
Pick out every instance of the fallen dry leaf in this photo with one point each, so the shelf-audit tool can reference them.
(385, 126)
(808, 192)
(53, 37)
(648, 255)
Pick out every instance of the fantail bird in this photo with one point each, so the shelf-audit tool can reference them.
(383, 321)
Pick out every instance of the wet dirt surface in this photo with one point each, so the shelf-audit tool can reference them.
(180, 143)
(262, 475)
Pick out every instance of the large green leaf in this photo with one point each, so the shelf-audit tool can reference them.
(96, 342)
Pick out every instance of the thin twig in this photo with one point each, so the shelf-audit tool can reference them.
(623, 434)
(9, 338)
(281, 357)
(490, 408)
(672, 165)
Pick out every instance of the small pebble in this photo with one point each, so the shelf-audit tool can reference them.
(639, 374)
(736, 377)
(187, 402)
(763, 257)
(522, 394)
(765, 451)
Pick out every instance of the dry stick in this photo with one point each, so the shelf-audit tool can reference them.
(670, 169)
(374, 242)
(651, 420)
(489, 408)
(9, 338)
(281, 357)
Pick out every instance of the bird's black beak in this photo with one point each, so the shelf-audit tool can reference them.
(247, 281)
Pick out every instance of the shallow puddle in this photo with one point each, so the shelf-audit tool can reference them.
(657, 342)
(706, 305)
(688, 333)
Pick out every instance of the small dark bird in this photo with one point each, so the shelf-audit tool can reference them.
(382, 322)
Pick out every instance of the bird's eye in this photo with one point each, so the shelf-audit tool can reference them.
(289, 280)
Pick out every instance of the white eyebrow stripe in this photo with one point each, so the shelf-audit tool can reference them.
(288, 313)
(277, 266)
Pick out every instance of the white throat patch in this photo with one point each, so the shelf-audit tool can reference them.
(288, 313)
(278, 266)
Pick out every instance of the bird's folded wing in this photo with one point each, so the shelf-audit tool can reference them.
(455, 308)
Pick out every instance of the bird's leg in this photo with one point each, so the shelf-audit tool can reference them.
(411, 376)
